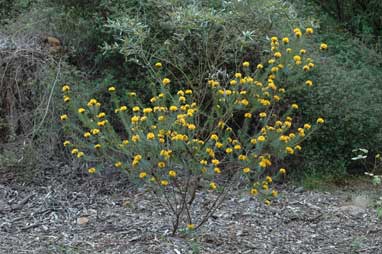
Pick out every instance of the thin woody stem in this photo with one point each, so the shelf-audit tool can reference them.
(218, 201)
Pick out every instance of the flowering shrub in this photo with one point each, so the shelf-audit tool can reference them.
(178, 148)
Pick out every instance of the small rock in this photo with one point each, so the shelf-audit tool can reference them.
(82, 220)
(299, 190)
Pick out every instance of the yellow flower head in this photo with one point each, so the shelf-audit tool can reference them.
(111, 89)
(92, 170)
(92, 102)
(118, 164)
(150, 136)
(101, 115)
(95, 131)
(261, 138)
(214, 137)
(135, 138)
(134, 119)
(64, 117)
(285, 40)
(297, 58)
(166, 81)
(123, 108)
(191, 126)
(244, 102)
(242, 157)
(246, 64)
(66, 98)
(309, 30)
(66, 88)
(158, 65)
(246, 170)
(172, 173)
(164, 182)
(324, 46)
(142, 175)
(138, 157)
(87, 134)
(309, 83)
(97, 146)
(237, 147)
(289, 150)
(102, 123)
(297, 32)
(166, 154)
(248, 115)
(263, 115)
(282, 171)
(320, 120)
(294, 106)
(203, 162)
(213, 186)
(219, 145)
(161, 164)
(182, 99)
(233, 82)
(215, 162)
(81, 110)
(259, 66)
(66, 143)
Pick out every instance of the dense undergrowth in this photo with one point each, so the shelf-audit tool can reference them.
(113, 42)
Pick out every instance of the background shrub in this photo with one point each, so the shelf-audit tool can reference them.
(113, 42)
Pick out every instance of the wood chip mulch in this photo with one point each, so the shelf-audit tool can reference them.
(80, 214)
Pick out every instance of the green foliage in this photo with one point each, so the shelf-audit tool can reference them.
(10, 9)
(360, 17)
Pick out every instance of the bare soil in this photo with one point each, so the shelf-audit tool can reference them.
(60, 212)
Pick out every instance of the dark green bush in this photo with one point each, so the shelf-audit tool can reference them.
(348, 94)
